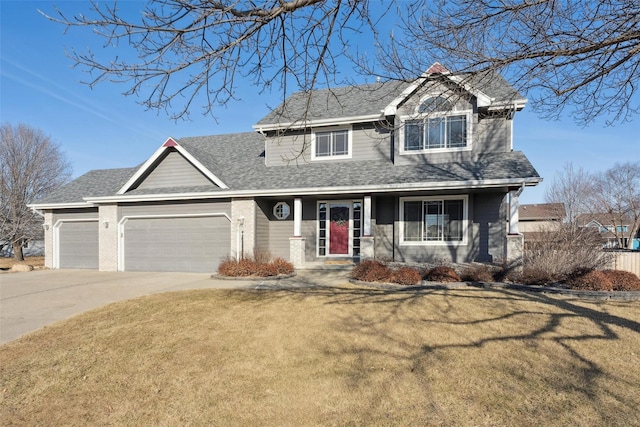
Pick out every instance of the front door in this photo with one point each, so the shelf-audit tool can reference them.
(339, 228)
(339, 216)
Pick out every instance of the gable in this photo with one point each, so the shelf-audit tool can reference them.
(173, 170)
(177, 173)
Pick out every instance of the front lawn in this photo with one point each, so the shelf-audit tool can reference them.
(331, 356)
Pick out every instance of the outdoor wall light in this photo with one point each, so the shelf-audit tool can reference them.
(45, 226)
(105, 223)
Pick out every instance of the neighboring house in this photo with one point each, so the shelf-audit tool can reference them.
(614, 236)
(29, 248)
(415, 172)
(539, 218)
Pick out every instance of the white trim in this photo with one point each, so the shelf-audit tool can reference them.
(331, 129)
(73, 205)
(56, 236)
(465, 221)
(378, 188)
(297, 217)
(366, 216)
(469, 117)
(336, 121)
(124, 219)
(483, 99)
(151, 160)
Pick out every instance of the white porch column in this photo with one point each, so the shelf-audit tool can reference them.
(513, 211)
(297, 242)
(366, 216)
(367, 247)
(297, 217)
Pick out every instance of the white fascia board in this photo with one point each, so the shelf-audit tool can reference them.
(390, 110)
(518, 104)
(418, 186)
(484, 100)
(145, 167)
(318, 123)
(73, 205)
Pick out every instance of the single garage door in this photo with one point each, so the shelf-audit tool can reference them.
(78, 244)
(192, 244)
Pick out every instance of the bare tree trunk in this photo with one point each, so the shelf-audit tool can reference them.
(17, 251)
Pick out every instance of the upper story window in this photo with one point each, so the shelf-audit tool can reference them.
(330, 144)
(438, 126)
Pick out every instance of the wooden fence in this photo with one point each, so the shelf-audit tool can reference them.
(629, 261)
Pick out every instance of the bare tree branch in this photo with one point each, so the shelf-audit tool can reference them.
(580, 54)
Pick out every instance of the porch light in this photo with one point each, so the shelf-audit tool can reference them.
(105, 223)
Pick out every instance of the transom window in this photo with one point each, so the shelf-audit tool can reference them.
(332, 143)
(440, 127)
(433, 220)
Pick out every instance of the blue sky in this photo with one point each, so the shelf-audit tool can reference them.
(100, 128)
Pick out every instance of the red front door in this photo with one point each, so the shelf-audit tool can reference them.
(338, 229)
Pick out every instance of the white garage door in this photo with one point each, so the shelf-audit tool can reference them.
(191, 244)
(78, 244)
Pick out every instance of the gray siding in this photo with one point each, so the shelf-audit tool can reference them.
(175, 208)
(369, 142)
(279, 234)
(262, 226)
(492, 134)
(485, 238)
(70, 214)
(382, 224)
(273, 234)
(174, 171)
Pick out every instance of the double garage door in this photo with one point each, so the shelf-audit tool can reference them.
(191, 244)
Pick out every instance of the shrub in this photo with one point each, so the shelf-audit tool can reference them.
(372, 271)
(283, 266)
(406, 276)
(590, 280)
(623, 280)
(559, 251)
(442, 274)
(478, 273)
(535, 275)
(250, 267)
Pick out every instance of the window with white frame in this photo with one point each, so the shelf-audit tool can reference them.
(331, 144)
(437, 126)
(281, 210)
(433, 220)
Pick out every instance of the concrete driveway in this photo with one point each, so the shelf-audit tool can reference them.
(29, 301)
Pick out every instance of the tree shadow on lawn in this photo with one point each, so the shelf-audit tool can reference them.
(552, 338)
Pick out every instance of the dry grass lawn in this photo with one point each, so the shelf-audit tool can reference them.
(34, 261)
(331, 356)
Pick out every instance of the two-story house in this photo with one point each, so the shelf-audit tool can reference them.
(405, 171)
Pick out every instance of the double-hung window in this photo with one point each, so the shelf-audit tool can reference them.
(331, 144)
(437, 126)
(433, 220)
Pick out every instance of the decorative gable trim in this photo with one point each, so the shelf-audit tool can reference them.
(168, 144)
(483, 99)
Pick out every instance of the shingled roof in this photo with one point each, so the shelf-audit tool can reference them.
(372, 99)
(244, 170)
